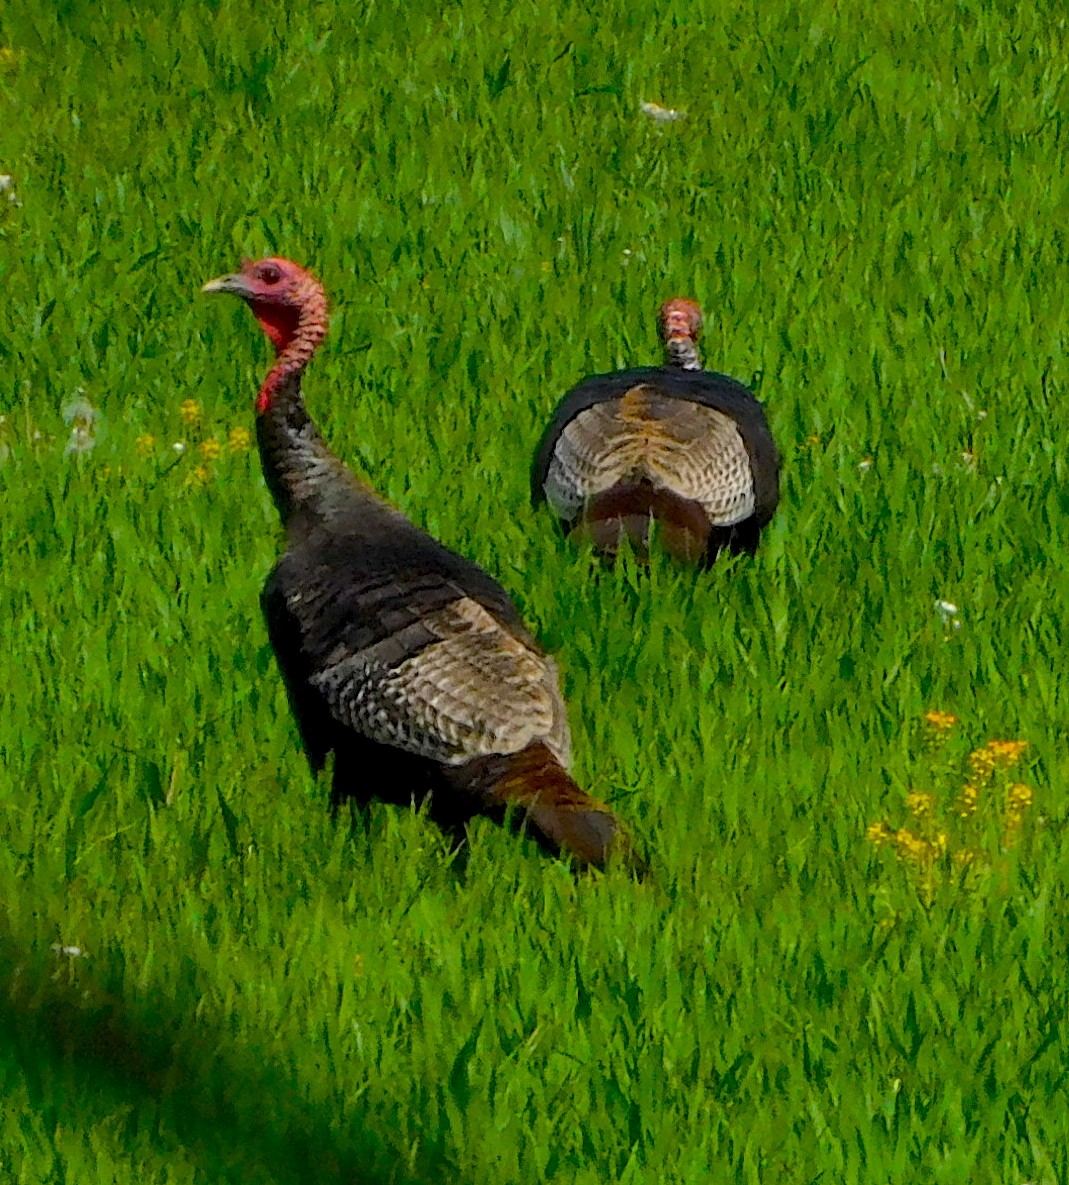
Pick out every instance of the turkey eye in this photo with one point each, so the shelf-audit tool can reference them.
(270, 274)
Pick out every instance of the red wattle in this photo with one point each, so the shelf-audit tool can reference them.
(278, 321)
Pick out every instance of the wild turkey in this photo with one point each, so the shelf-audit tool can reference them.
(675, 444)
(406, 661)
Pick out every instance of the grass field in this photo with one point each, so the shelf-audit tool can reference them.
(825, 979)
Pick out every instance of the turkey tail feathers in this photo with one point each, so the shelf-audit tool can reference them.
(562, 816)
(627, 511)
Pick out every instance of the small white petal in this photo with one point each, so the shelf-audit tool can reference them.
(661, 114)
(179, 446)
(948, 614)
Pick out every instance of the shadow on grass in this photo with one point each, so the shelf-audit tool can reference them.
(237, 1116)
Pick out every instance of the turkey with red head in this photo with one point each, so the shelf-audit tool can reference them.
(406, 661)
(675, 444)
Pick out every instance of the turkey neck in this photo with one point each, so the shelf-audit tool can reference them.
(682, 352)
(305, 478)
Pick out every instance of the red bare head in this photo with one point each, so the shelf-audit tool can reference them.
(680, 318)
(282, 295)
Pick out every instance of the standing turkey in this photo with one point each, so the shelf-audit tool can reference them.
(675, 444)
(406, 661)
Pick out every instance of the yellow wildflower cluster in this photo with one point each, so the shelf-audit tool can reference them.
(1018, 799)
(920, 803)
(209, 447)
(958, 836)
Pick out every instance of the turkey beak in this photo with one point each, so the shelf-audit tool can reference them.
(234, 284)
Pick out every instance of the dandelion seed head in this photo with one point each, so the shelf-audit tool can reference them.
(79, 411)
(81, 440)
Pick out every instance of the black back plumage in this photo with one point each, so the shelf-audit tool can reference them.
(716, 391)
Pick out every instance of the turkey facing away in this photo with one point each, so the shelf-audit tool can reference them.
(406, 661)
(675, 444)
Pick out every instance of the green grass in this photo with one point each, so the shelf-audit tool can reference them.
(872, 208)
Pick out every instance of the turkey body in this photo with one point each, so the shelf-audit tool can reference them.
(688, 449)
(407, 662)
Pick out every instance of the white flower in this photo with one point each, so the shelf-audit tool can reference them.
(72, 952)
(661, 114)
(948, 614)
(7, 185)
(865, 465)
(179, 446)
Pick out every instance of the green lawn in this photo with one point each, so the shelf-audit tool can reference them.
(871, 203)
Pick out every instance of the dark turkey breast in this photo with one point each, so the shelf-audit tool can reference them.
(698, 435)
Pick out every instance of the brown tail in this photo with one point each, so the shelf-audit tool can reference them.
(563, 817)
(628, 511)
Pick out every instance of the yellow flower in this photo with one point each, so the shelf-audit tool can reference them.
(1006, 754)
(970, 794)
(190, 412)
(919, 803)
(940, 721)
(878, 833)
(912, 847)
(209, 449)
(1019, 797)
(200, 476)
(963, 857)
(239, 440)
(982, 763)
(144, 444)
